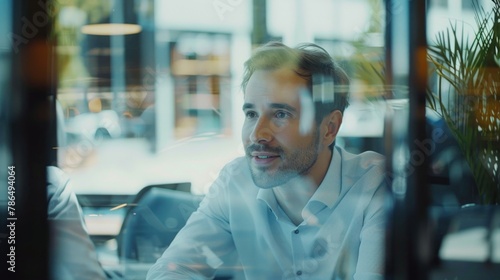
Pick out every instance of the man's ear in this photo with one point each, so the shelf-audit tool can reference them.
(330, 127)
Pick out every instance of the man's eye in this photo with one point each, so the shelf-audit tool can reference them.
(282, 115)
(250, 114)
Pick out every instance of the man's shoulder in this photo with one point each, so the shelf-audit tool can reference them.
(367, 159)
(235, 166)
(235, 174)
(233, 184)
(367, 164)
(365, 170)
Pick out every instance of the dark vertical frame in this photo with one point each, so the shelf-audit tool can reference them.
(29, 127)
(418, 189)
(409, 237)
(5, 156)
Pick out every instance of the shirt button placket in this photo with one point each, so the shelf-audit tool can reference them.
(298, 273)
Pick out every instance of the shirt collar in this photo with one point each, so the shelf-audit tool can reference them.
(267, 197)
(329, 190)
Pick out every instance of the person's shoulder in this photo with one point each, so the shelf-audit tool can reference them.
(235, 166)
(61, 199)
(56, 176)
(230, 173)
(231, 186)
(366, 165)
(57, 182)
(365, 160)
(365, 170)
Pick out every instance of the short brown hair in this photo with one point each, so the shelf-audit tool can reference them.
(311, 62)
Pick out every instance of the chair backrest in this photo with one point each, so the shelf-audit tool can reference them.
(155, 218)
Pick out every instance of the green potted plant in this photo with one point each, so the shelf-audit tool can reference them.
(467, 94)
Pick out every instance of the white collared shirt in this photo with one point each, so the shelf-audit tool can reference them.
(341, 236)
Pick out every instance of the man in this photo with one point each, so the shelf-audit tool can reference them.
(296, 207)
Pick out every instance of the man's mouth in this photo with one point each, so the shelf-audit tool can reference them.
(262, 156)
(263, 159)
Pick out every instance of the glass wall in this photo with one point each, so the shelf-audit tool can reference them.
(162, 105)
(149, 110)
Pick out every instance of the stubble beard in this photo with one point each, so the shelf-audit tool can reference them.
(294, 164)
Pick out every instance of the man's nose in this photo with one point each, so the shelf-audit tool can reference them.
(262, 132)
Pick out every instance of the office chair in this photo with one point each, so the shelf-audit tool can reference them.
(155, 218)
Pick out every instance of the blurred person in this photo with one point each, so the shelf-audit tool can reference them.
(296, 206)
(73, 254)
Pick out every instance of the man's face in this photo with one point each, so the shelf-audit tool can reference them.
(276, 149)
